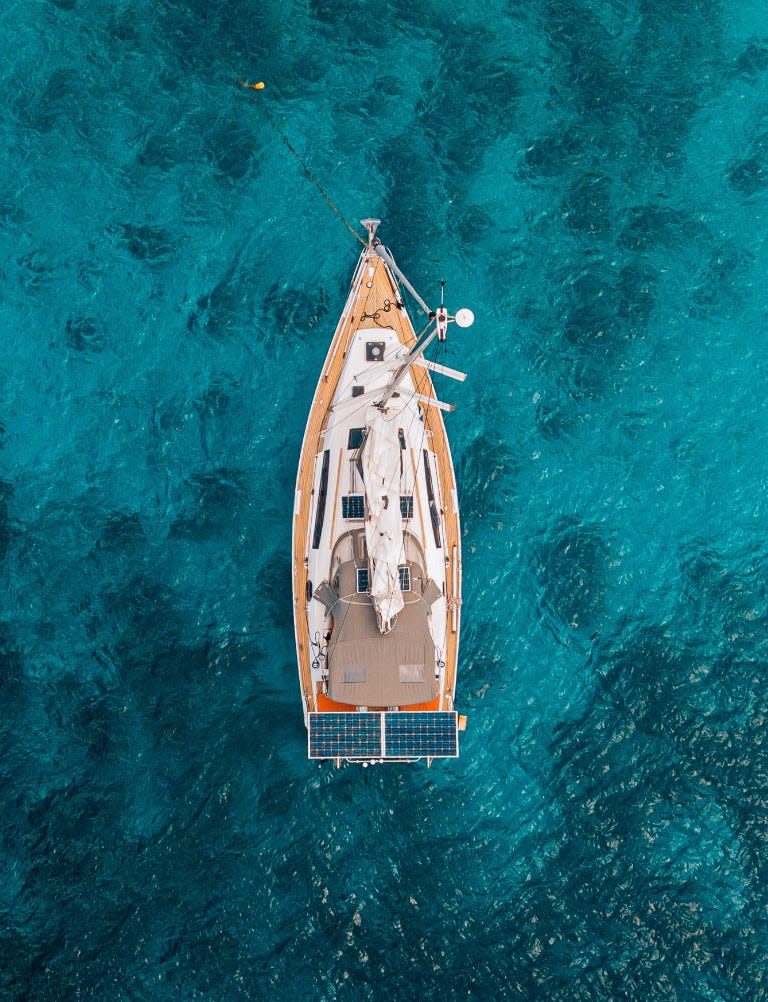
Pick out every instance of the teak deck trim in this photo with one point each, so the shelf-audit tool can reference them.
(371, 296)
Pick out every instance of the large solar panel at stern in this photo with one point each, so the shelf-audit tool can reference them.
(345, 735)
(394, 735)
(421, 735)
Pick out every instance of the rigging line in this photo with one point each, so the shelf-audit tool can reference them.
(419, 461)
(419, 382)
(416, 389)
(259, 86)
(394, 474)
(442, 353)
(364, 406)
(426, 383)
(386, 255)
(416, 383)
(441, 650)
(300, 160)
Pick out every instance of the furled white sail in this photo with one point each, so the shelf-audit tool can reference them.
(383, 526)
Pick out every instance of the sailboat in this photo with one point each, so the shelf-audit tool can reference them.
(376, 533)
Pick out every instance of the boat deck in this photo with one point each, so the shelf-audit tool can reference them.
(373, 301)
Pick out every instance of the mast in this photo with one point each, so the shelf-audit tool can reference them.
(380, 451)
(441, 323)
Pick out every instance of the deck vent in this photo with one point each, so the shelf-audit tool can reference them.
(374, 351)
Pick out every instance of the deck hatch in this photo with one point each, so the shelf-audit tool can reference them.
(432, 503)
(399, 735)
(352, 506)
(374, 351)
(406, 505)
(321, 498)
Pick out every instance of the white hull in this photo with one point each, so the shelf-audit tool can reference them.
(349, 664)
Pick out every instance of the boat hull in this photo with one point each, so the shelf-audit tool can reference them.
(374, 308)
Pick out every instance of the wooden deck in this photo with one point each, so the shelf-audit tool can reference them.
(372, 301)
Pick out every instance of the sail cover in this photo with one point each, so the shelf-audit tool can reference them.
(383, 526)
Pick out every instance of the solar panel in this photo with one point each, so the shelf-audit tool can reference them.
(395, 735)
(352, 506)
(345, 735)
(421, 735)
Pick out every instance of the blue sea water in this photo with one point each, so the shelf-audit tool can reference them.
(592, 179)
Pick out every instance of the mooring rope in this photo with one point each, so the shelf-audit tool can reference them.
(301, 161)
(219, 55)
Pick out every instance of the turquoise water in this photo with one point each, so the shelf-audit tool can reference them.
(592, 180)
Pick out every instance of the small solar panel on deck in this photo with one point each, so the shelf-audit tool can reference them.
(352, 506)
(421, 735)
(345, 735)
